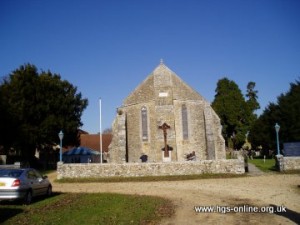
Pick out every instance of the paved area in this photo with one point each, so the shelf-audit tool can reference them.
(257, 189)
(254, 171)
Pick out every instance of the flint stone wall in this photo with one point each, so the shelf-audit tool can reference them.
(82, 170)
(291, 163)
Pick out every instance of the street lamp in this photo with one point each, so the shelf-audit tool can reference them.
(277, 128)
(61, 136)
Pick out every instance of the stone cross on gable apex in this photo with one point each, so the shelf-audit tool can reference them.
(161, 61)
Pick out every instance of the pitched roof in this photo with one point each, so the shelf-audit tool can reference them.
(81, 151)
(93, 141)
(162, 79)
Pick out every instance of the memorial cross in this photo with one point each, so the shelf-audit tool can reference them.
(164, 127)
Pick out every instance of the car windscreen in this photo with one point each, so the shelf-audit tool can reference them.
(10, 173)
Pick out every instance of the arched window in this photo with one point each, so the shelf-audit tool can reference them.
(185, 128)
(144, 116)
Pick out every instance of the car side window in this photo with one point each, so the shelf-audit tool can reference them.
(38, 175)
(31, 175)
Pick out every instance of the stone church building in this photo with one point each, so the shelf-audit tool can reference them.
(165, 120)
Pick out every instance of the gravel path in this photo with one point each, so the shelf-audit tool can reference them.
(259, 189)
(254, 171)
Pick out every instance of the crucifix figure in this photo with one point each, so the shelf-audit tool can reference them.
(164, 127)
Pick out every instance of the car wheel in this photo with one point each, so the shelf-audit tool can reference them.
(28, 198)
(49, 191)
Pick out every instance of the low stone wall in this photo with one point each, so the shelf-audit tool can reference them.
(16, 165)
(81, 170)
(291, 163)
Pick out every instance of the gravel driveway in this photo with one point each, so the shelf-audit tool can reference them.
(281, 191)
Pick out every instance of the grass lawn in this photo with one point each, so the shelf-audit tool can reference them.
(148, 179)
(92, 208)
(267, 166)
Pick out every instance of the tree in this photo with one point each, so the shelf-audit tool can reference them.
(231, 107)
(289, 108)
(262, 132)
(252, 102)
(107, 131)
(6, 121)
(40, 105)
(285, 113)
(252, 97)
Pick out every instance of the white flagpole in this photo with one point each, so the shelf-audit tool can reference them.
(100, 132)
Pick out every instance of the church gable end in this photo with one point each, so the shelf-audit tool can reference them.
(183, 91)
(164, 99)
(143, 93)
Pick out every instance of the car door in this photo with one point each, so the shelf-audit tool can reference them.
(33, 182)
(42, 183)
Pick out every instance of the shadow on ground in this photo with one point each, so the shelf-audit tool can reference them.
(287, 213)
(7, 213)
(9, 209)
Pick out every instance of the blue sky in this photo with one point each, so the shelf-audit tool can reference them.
(107, 48)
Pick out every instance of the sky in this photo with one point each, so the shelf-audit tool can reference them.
(108, 47)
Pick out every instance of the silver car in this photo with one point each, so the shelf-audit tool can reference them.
(24, 184)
